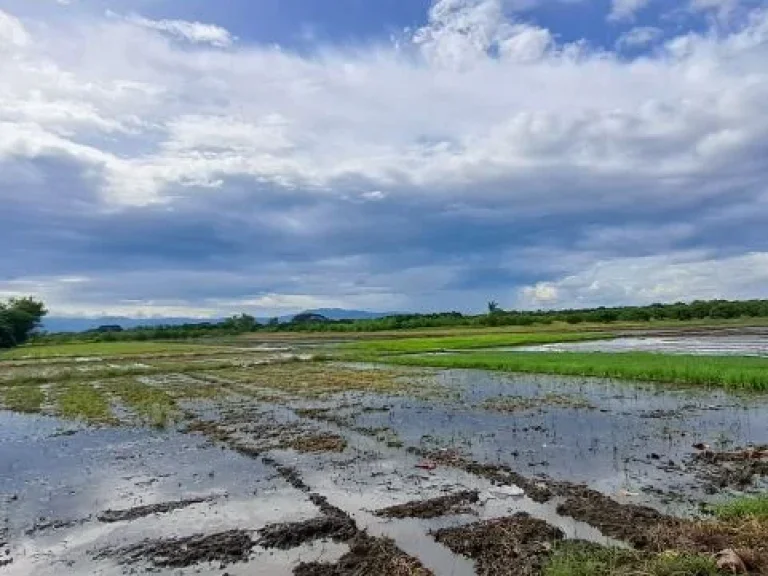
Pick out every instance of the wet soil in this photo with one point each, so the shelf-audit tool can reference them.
(537, 491)
(513, 546)
(733, 469)
(143, 511)
(457, 503)
(368, 556)
(267, 435)
(223, 548)
(5, 553)
(627, 522)
(289, 535)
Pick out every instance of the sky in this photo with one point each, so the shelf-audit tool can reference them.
(202, 158)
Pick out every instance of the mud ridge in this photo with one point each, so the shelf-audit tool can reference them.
(513, 546)
(367, 556)
(223, 548)
(457, 503)
(627, 522)
(289, 535)
(289, 474)
(734, 469)
(149, 509)
(538, 491)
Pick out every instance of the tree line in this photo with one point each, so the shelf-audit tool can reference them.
(19, 319)
(496, 316)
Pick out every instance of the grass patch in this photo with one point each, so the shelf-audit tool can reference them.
(316, 379)
(85, 349)
(27, 399)
(466, 342)
(746, 507)
(724, 371)
(579, 559)
(154, 406)
(70, 372)
(84, 402)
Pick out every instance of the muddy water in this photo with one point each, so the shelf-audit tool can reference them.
(627, 440)
(743, 345)
(55, 479)
(622, 438)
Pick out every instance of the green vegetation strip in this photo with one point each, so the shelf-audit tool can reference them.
(467, 342)
(28, 398)
(578, 559)
(726, 371)
(153, 405)
(84, 402)
(68, 374)
(106, 349)
(746, 507)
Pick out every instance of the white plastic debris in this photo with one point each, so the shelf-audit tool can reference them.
(505, 492)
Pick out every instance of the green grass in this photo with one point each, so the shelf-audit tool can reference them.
(66, 374)
(153, 405)
(574, 559)
(746, 507)
(28, 398)
(84, 402)
(106, 349)
(466, 342)
(724, 371)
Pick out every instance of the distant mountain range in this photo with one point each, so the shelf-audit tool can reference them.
(64, 324)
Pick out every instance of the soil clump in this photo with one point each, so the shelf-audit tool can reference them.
(457, 503)
(223, 548)
(367, 556)
(148, 510)
(513, 546)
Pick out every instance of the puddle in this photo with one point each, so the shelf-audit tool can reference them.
(699, 345)
(627, 440)
(68, 493)
(57, 490)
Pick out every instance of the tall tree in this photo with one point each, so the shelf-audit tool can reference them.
(19, 318)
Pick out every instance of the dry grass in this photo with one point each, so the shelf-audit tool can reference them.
(318, 379)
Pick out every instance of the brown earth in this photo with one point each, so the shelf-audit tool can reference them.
(367, 556)
(733, 469)
(223, 548)
(513, 546)
(496, 473)
(627, 522)
(457, 503)
(142, 511)
(289, 535)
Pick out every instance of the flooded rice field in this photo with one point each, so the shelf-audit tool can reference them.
(251, 463)
(724, 345)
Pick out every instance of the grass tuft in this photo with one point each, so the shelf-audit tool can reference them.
(745, 507)
(84, 402)
(581, 559)
(27, 399)
(153, 405)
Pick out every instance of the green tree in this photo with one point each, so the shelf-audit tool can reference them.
(19, 318)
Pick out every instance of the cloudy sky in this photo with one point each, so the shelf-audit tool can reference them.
(206, 157)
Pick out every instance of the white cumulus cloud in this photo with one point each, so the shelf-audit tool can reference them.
(195, 32)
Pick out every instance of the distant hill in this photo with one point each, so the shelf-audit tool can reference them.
(64, 324)
(342, 314)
